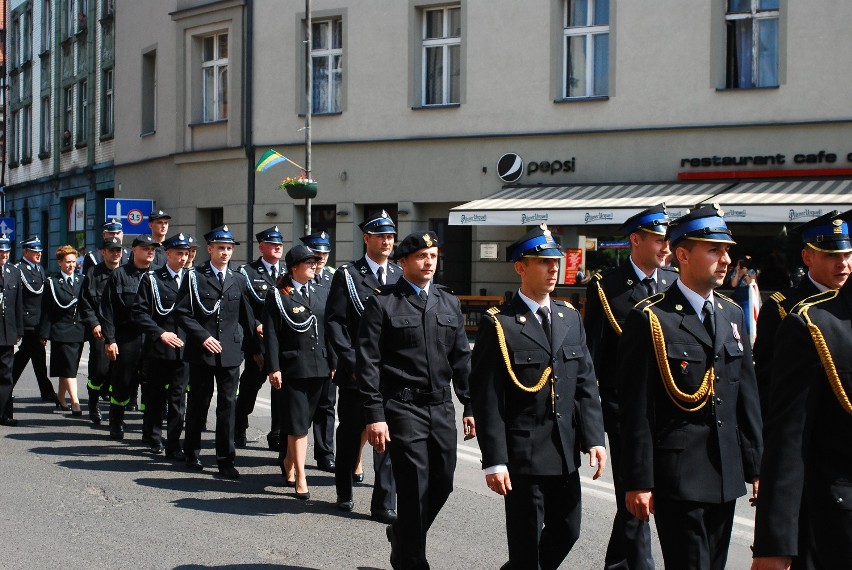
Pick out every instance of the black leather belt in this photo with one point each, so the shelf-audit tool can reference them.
(420, 397)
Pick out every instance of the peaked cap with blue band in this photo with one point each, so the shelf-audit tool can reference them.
(112, 226)
(705, 222)
(221, 235)
(5, 243)
(653, 220)
(317, 241)
(378, 223)
(828, 233)
(179, 241)
(538, 242)
(32, 243)
(270, 235)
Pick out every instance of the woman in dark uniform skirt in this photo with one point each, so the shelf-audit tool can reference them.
(61, 324)
(298, 359)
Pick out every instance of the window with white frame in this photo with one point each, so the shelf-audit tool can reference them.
(82, 111)
(214, 70)
(441, 82)
(107, 110)
(44, 127)
(586, 48)
(327, 59)
(27, 133)
(752, 43)
(67, 116)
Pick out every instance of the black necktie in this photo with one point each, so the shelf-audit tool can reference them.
(544, 313)
(424, 295)
(380, 275)
(709, 324)
(272, 272)
(304, 291)
(650, 285)
(221, 279)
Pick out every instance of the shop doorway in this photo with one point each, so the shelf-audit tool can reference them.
(454, 264)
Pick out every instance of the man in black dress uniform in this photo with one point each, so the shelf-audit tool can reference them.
(11, 327)
(829, 262)
(351, 287)
(111, 228)
(164, 366)
(94, 284)
(411, 344)
(260, 276)
(609, 299)
(123, 339)
(536, 405)
(323, 420)
(33, 279)
(216, 315)
(158, 221)
(691, 433)
(808, 457)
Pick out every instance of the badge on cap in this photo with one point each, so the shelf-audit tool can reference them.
(838, 223)
(719, 211)
(427, 240)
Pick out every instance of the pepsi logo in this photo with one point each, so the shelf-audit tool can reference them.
(510, 167)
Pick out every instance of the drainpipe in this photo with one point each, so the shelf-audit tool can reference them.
(249, 128)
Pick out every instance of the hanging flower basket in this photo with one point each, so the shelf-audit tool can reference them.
(299, 188)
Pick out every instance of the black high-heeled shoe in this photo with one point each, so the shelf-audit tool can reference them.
(357, 477)
(60, 406)
(78, 412)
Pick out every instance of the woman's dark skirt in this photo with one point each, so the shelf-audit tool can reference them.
(299, 401)
(65, 358)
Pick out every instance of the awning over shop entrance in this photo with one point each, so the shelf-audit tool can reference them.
(772, 201)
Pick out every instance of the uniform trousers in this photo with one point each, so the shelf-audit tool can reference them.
(324, 422)
(630, 541)
(125, 371)
(202, 379)
(694, 535)
(251, 381)
(99, 366)
(423, 454)
(536, 501)
(166, 383)
(350, 415)
(31, 349)
(7, 384)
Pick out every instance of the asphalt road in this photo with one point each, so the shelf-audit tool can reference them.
(71, 498)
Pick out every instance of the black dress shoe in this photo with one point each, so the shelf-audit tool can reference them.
(387, 516)
(228, 471)
(240, 439)
(157, 448)
(9, 422)
(76, 413)
(288, 483)
(193, 463)
(176, 454)
(303, 496)
(326, 465)
(116, 434)
(345, 504)
(357, 477)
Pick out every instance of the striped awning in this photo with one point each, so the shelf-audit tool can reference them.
(773, 201)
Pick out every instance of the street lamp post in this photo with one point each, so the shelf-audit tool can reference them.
(309, 69)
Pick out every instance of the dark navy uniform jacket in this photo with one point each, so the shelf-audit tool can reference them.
(62, 323)
(809, 435)
(406, 342)
(33, 279)
(324, 277)
(259, 282)
(94, 284)
(228, 322)
(622, 290)
(773, 311)
(158, 293)
(11, 306)
(294, 335)
(537, 433)
(703, 456)
(117, 302)
(343, 312)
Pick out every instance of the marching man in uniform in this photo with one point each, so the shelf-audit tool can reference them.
(609, 300)
(11, 327)
(690, 423)
(536, 403)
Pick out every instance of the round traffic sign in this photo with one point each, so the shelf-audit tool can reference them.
(135, 217)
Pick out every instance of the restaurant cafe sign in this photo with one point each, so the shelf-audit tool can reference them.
(734, 214)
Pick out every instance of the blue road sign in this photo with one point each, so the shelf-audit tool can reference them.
(7, 226)
(132, 213)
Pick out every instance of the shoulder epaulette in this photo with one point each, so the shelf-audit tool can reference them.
(650, 301)
(803, 305)
(728, 299)
(597, 277)
(564, 304)
(778, 297)
(330, 268)
(493, 311)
